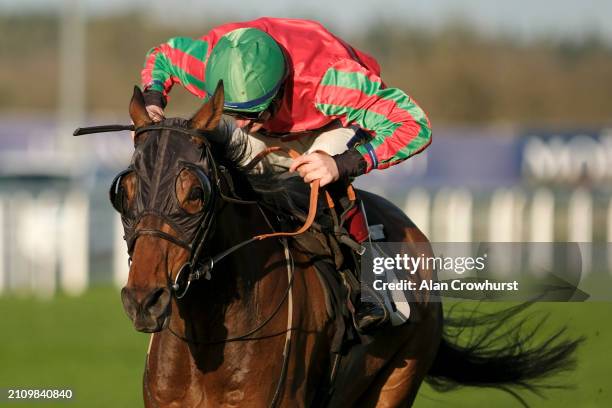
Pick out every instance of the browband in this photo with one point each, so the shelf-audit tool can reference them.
(190, 132)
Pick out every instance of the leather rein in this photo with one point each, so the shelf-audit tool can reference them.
(197, 269)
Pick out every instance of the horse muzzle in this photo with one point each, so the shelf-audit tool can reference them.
(148, 309)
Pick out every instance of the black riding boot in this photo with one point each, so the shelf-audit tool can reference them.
(370, 311)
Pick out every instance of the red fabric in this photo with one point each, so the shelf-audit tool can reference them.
(314, 94)
(190, 64)
(356, 224)
(310, 50)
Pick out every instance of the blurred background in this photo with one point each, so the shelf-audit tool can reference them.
(518, 93)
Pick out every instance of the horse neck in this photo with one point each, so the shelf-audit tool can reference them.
(227, 304)
(243, 291)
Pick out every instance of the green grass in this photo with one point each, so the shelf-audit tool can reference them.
(87, 344)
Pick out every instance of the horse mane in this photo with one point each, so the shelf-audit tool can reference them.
(279, 192)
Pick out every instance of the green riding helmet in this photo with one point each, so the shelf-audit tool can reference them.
(252, 67)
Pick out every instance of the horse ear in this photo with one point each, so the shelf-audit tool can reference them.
(209, 115)
(138, 112)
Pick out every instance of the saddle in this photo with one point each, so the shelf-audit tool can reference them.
(329, 244)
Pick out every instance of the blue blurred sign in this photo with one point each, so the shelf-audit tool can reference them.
(483, 159)
(567, 157)
(469, 157)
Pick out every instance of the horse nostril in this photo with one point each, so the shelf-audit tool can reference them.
(130, 305)
(145, 301)
(153, 298)
(157, 302)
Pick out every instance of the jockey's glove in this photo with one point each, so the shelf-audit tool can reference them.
(156, 98)
(350, 164)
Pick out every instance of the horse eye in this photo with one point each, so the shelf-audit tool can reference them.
(196, 193)
(192, 189)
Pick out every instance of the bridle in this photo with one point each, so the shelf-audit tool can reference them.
(195, 268)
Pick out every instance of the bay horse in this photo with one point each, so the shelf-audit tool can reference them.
(255, 331)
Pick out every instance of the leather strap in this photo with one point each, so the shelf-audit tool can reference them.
(350, 193)
(160, 234)
(260, 156)
(312, 212)
(314, 193)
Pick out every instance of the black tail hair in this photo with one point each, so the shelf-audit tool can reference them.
(502, 354)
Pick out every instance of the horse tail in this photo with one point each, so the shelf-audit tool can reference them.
(504, 355)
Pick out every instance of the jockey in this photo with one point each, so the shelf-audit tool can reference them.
(289, 76)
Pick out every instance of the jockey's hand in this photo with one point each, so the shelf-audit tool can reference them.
(248, 126)
(156, 113)
(316, 166)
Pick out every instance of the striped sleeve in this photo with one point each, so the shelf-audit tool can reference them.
(355, 95)
(180, 60)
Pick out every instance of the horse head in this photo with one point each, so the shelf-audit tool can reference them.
(166, 199)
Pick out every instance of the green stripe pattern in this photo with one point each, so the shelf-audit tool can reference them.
(164, 68)
(383, 126)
